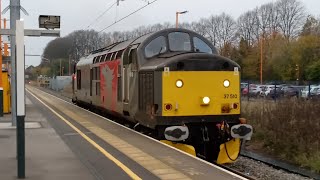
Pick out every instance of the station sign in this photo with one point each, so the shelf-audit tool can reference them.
(49, 22)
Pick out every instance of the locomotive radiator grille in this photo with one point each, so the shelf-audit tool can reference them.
(146, 91)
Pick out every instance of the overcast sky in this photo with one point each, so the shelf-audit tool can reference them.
(78, 14)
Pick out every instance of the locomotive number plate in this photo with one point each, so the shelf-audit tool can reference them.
(230, 96)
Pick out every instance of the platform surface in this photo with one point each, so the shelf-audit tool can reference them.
(47, 156)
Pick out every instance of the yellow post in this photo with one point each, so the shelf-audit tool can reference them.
(6, 93)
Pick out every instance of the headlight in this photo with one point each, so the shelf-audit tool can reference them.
(226, 83)
(206, 100)
(179, 83)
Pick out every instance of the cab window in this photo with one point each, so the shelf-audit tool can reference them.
(155, 47)
(78, 79)
(179, 41)
(133, 59)
(201, 46)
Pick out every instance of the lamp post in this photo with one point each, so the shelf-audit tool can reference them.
(177, 17)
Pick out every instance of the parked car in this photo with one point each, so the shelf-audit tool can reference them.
(290, 91)
(305, 91)
(244, 91)
(274, 93)
(315, 94)
(266, 90)
(270, 92)
(255, 90)
(243, 86)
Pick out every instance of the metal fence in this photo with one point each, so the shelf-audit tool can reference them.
(60, 82)
(277, 91)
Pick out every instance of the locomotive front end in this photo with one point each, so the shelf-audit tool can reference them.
(200, 105)
(191, 95)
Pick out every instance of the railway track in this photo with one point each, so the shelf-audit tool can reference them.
(280, 165)
(268, 161)
(236, 172)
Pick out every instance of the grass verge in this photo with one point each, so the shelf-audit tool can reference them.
(288, 129)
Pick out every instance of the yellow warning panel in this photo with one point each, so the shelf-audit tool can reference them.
(186, 92)
(6, 92)
(229, 151)
(183, 147)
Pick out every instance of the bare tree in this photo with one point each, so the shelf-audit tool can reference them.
(167, 25)
(211, 27)
(185, 25)
(273, 18)
(225, 30)
(199, 27)
(156, 27)
(268, 19)
(85, 41)
(311, 27)
(291, 15)
(316, 27)
(248, 27)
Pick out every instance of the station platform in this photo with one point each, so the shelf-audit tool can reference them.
(47, 156)
(64, 141)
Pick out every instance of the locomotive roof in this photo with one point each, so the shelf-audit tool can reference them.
(124, 44)
(112, 48)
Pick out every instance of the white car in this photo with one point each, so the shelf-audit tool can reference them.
(268, 88)
(305, 91)
(255, 90)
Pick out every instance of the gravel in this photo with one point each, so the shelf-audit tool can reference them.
(262, 171)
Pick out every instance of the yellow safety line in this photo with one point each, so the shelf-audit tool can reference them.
(97, 146)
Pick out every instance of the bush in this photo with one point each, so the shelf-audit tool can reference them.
(289, 129)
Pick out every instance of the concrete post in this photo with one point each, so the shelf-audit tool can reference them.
(21, 108)
(14, 16)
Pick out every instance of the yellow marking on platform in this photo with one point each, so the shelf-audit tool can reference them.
(171, 176)
(85, 122)
(140, 157)
(103, 151)
(163, 171)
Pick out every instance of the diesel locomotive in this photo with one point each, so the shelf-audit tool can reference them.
(172, 81)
